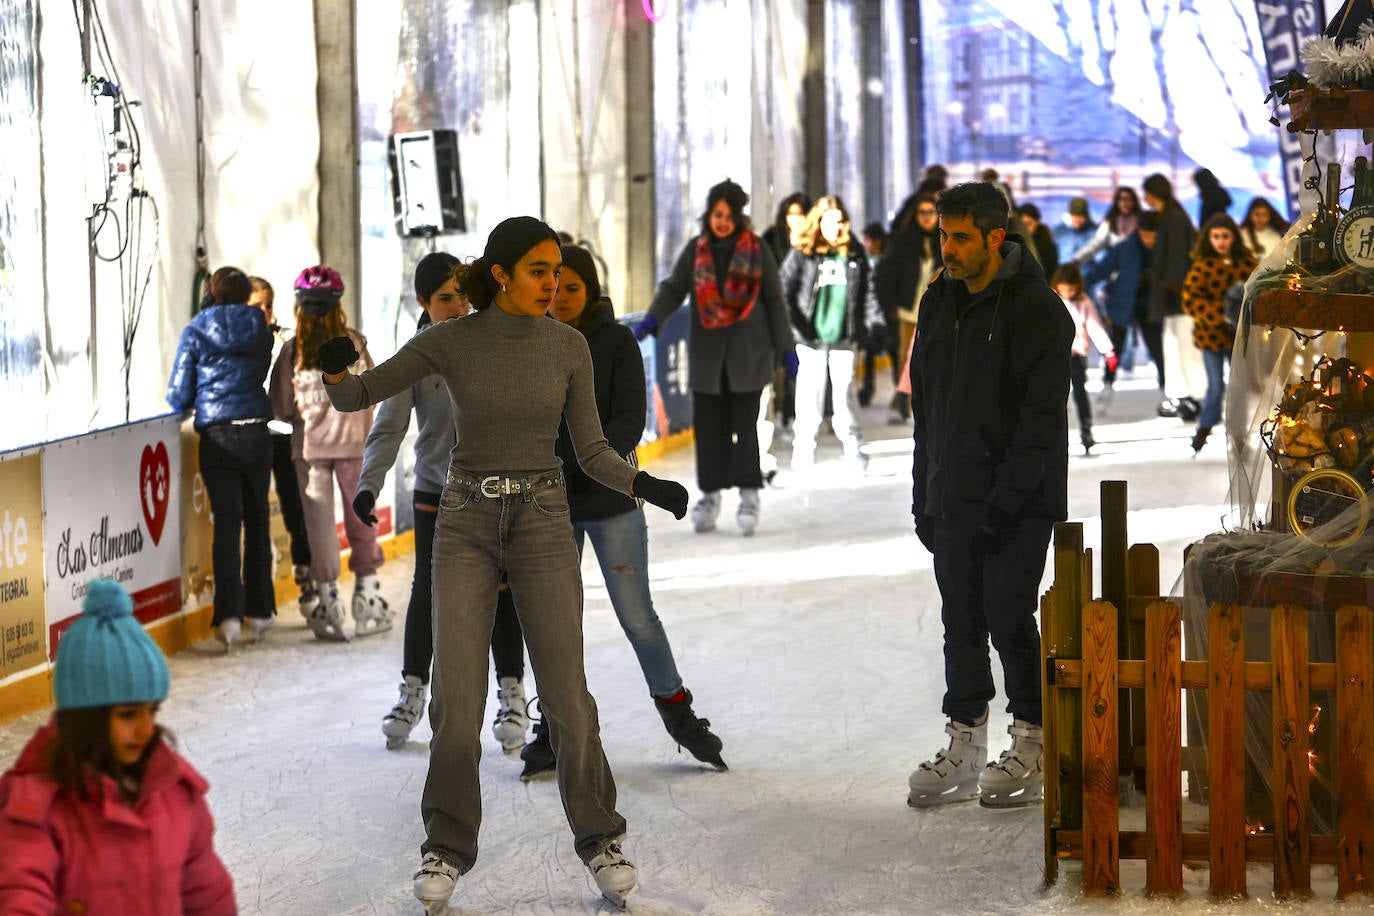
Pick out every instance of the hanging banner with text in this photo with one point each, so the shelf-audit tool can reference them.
(22, 633)
(112, 513)
(1285, 25)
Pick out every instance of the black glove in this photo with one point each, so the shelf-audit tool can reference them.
(337, 354)
(666, 494)
(925, 530)
(363, 503)
(992, 530)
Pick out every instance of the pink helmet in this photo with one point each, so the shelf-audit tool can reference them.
(319, 284)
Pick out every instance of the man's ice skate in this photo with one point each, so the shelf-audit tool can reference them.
(1018, 776)
(689, 731)
(748, 514)
(512, 716)
(326, 618)
(952, 775)
(434, 883)
(706, 510)
(309, 596)
(538, 754)
(614, 874)
(371, 613)
(405, 715)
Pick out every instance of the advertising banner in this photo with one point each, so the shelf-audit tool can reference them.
(111, 514)
(22, 634)
(197, 532)
(1284, 26)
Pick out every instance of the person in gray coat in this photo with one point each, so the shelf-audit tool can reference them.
(739, 332)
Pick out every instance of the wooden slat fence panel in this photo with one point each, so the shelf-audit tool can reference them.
(1226, 749)
(1101, 824)
(1163, 750)
(1292, 713)
(1355, 763)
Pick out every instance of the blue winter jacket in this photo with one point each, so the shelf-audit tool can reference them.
(221, 364)
(1122, 268)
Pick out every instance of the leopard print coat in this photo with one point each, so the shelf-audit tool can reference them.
(1207, 281)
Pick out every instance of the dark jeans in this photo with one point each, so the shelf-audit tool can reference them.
(1152, 332)
(1078, 379)
(289, 497)
(889, 345)
(727, 440)
(236, 464)
(507, 642)
(991, 595)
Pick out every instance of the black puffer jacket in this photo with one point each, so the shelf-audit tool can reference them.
(864, 323)
(621, 402)
(989, 393)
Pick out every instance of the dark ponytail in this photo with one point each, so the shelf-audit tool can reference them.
(510, 241)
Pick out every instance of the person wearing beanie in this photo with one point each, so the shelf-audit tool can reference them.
(513, 375)
(739, 332)
(329, 447)
(614, 522)
(437, 278)
(218, 371)
(99, 814)
(1076, 231)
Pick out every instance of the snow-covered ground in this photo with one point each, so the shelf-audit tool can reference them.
(815, 650)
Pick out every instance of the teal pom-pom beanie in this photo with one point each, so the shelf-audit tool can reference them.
(106, 658)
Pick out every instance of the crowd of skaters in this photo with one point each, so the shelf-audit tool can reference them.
(784, 327)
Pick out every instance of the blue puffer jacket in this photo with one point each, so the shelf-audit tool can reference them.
(221, 364)
(1122, 268)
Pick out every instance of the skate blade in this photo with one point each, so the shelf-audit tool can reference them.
(513, 750)
(715, 763)
(915, 800)
(361, 630)
(328, 636)
(395, 744)
(1023, 800)
(617, 899)
(543, 774)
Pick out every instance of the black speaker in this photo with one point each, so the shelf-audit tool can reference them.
(426, 184)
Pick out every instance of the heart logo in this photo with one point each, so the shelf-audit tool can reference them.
(154, 472)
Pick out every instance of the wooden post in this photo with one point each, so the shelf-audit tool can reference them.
(1067, 642)
(1115, 588)
(1101, 826)
(1355, 762)
(1163, 750)
(1049, 734)
(1292, 713)
(1226, 748)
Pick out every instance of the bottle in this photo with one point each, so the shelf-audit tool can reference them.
(1360, 195)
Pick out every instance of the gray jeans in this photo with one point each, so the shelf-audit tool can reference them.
(527, 534)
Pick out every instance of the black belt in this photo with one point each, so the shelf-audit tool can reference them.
(495, 485)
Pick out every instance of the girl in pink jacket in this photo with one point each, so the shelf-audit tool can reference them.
(99, 815)
(1068, 283)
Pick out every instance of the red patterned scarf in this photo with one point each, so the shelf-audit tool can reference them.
(719, 309)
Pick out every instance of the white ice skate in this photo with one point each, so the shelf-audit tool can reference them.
(309, 596)
(327, 616)
(952, 775)
(371, 613)
(614, 874)
(434, 883)
(748, 515)
(405, 715)
(258, 627)
(227, 632)
(1018, 776)
(705, 511)
(512, 718)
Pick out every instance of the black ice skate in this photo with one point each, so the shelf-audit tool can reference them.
(689, 731)
(538, 754)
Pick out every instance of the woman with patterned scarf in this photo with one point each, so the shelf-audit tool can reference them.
(739, 332)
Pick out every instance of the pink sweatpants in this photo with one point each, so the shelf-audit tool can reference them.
(317, 503)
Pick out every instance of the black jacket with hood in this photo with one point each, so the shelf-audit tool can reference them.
(863, 322)
(989, 393)
(622, 404)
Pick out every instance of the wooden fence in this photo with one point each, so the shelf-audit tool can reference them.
(1092, 681)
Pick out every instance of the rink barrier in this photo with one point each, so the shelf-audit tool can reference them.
(1089, 682)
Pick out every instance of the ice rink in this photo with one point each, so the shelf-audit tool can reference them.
(814, 648)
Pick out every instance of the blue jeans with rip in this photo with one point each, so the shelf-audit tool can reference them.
(621, 543)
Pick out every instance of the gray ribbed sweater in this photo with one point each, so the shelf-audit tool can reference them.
(511, 379)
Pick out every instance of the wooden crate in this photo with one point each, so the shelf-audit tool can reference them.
(1330, 109)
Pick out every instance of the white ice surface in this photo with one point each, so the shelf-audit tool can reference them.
(815, 650)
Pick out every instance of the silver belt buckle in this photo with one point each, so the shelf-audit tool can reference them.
(494, 482)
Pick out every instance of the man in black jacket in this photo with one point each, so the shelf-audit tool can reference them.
(989, 386)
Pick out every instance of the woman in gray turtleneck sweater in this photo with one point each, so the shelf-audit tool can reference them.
(512, 374)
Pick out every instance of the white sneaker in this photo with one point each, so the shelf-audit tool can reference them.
(327, 616)
(309, 596)
(952, 775)
(1018, 776)
(371, 613)
(434, 881)
(258, 627)
(614, 874)
(405, 715)
(227, 632)
(706, 510)
(512, 718)
(748, 514)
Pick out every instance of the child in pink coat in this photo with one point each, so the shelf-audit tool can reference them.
(1068, 283)
(99, 815)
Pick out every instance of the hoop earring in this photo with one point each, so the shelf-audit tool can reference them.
(503, 287)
